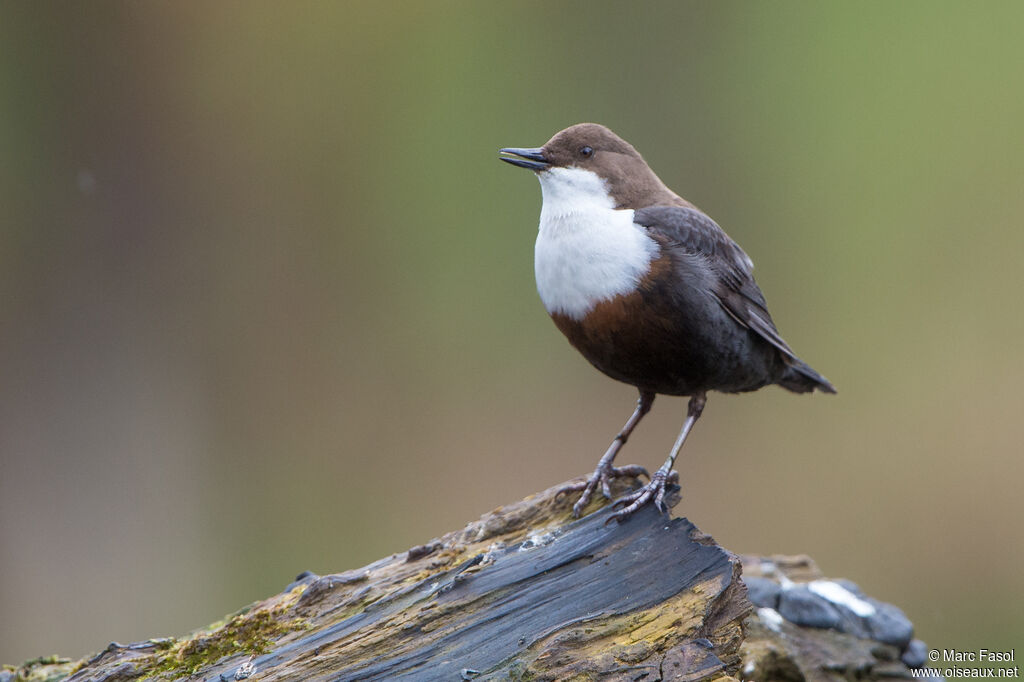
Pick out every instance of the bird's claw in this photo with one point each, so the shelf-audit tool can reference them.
(602, 476)
(651, 492)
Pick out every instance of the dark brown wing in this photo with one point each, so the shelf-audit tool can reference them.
(735, 289)
(737, 292)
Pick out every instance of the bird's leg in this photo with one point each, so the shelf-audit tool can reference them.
(655, 490)
(605, 471)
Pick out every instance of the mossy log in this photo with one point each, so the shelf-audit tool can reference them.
(525, 593)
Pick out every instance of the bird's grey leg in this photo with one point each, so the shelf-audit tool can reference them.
(605, 471)
(655, 490)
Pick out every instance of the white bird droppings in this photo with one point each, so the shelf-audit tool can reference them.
(770, 617)
(837, 594)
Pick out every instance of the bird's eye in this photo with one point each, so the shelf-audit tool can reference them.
(586, 152)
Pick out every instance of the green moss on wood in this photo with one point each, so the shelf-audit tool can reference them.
(245, 633)
(42, 669)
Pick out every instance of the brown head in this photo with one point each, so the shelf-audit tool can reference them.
(591, 146)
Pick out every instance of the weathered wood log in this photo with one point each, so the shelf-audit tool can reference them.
(525, 593)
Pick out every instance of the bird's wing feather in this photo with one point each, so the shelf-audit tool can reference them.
(736, 291)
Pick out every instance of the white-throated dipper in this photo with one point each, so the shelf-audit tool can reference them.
(649, 289)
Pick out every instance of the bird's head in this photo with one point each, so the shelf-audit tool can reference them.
(590, 157)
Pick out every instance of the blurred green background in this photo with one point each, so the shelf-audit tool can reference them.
(267, 299)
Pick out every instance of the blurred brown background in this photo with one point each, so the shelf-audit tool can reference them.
(267, 299)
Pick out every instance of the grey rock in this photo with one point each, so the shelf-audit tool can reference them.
(889, 624)
(916, 654)
(801, 606)
(851, 623)
(763, 592)
(850, 586)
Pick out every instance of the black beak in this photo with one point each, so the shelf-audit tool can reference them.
(525, 158)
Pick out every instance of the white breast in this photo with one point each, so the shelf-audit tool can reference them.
(586, 251)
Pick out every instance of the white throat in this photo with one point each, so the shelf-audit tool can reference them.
(587, 251)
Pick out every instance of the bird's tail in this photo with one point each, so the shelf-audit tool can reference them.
(799, 377)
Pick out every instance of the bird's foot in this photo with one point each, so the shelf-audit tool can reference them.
(652, 492)
(602, 476)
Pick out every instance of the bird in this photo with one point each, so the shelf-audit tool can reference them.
(650, 290)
